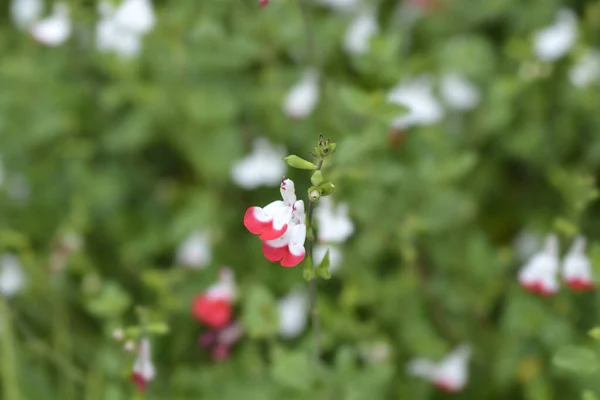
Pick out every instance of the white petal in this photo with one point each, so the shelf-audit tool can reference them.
(143, 364)
(359, 33)
(340, 5)
(553, 42)
(459, 93)
(417, 95)
(55, 29)
(453, 369)
(288, 191)
(296, 239)
(195, 251)
(26, 12)
(225, 288)
(12, 276)
(334, 224)
(136, 16)
(263, 167)
(293, 312)
(576, 265)
(301, 99)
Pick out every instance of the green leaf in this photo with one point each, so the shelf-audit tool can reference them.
(595, 333)
(576, 359)
(158, 327)
(111, 302)
(316, 178)
(299, 163)
(260, 313)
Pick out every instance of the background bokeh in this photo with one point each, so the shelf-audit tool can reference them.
(131, 155)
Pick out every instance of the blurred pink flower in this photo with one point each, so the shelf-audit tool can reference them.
(577, 270)
(450, 374)
(539, 275)
(143, 368)
(214, 307)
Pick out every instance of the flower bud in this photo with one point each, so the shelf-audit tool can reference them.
(326, 188)
(314, 193)
(300, 163)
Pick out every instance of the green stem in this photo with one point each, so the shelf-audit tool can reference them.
(10, 383)
(309, 33)
(312, 285)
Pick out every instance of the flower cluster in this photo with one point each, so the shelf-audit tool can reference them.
(540, 273)
(450, 374)
(280, 225)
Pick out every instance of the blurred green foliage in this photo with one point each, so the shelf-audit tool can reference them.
(135, 155)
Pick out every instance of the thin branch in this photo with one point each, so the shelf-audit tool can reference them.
(309, 33)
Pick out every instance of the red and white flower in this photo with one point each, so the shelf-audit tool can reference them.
(288, 249)
(450, 374)
(214, 307)
(263, 3)
(272, 221)
(539, 275)
(577, 270)
(143, 368)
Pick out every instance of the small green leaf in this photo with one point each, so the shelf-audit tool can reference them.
(300, 163)
(576, 359)
(316, 178)
(326, 188)
(323, 268)
(159, 328)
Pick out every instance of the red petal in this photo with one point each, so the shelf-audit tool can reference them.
(264, 229)
(273, 254)
(216, 313)
(580, 285)
(538, 288)
(446, 386)
(264, 2)
(139, 381)
(291, 260)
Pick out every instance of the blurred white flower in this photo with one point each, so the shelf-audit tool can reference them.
(12, 276)
(577, 268)
(120, 30)
(450, 374)
(17, 188)
(539, 275)
(293, 314)
(26, 12)
(263, 167)
(459, 93)
(340, 5)
(225, 288)
(136, 16)
(417, 95)
(55, 29)
(195, 251)
(335, 255)
(586, 70)
(554, 41)
(334, 224)
(143, 368)
(358, 34)
(301, 99)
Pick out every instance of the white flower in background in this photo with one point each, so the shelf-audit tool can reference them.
(554, 41)
(358, 35)
(17, 188)
(12, 276)
(526, 243)
(335, 255)
(577, 268)
(301, 99)
(136, 15)
(26, 12)
(55, 29)
(195, 251)
(586, 70)
(143, 368)
(450, 374)
(293, 313)
(120, 30)
(539, 275)
(459, 93)
(340, 5)
(335, 226)
(263, 167)
(417, 95)
(225, 288)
